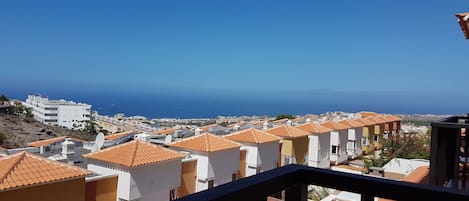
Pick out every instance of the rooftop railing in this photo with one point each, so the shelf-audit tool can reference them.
(294, 179)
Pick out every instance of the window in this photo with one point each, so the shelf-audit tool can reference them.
(375, 138)
(351, 144)
(365, 141)
(335, 149)
(386, 135)
(210, 184)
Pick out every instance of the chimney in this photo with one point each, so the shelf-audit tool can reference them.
(289, 122)
(68, 151)
(198, 131)
(308, 120)
(265, 126)
(236, 127)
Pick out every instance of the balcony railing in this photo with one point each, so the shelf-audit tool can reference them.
(294, 179)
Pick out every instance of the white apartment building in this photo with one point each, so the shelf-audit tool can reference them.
(58, 112)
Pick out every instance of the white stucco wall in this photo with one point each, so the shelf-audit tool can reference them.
(356, 135)
(154, 182)
(319, 150)
(340, 139)
(123, 180)
(268, 155)
(150, 182)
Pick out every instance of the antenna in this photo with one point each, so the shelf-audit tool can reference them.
(168, 139)
(99, 141)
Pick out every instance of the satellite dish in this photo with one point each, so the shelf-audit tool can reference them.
(99, 141)
(168, 139)
(94, 148)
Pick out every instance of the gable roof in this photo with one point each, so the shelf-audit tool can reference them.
(286, 131)
(334, 125)
(24, 169)
(419, 175)
(365, 121)
(377, 119)
(207, 127)
(50, 141)
(167, 131)
(314, 128)
(206, 142)
(135, 153)
(393, 118)
(117, 135)
(367, 114)
(252, 135)
(352, 123)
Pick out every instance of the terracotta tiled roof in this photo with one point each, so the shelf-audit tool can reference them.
(167, 131)
(419, 175)
(314, 128)
(367, 114)
(352, 123)
(280, 121)
(365, 121)
(117, 135)
(378, 119)
(286, 131)
(24, 169)
(206, 142)
(1, 148)
(259, 123)
(50, 141)
(135, 153)
(334, 125)
(207, 127)
(252, 135)
(372, 120)
(394, 118)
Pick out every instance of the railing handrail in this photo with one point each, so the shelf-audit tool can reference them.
(259, 186)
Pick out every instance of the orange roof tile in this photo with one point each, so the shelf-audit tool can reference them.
(352, 123)
(1, 148)
(24, 169)
(365, 121)
(259, 123)
(280, 120)
(252, 135)
(372, 120)
(206, 142)
(314, 128)
(50, 141)
(167, 131)
(378, 119)
(367, 114)
(286, 131)
(135, 153)
(334, 125)
(394, 118)
(117, 135)
(205, 128)
(419, 175)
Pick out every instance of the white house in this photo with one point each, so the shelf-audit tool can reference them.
(262, 150)
(217, 158)
(355, 135)
(58, 112)
(319, 144)
(146, 171)
(339, 139)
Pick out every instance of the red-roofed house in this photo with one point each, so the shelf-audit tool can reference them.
(262, 150)
(216, 156)
(146, 171)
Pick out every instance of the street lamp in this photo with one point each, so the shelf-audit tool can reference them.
(463, 19)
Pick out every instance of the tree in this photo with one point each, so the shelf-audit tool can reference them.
(90, 127)
(284, 116)
(3, 98)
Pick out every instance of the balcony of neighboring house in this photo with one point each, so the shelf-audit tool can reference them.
(449, 160)
(293, 183)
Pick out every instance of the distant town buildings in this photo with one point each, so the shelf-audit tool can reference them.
(59, 112)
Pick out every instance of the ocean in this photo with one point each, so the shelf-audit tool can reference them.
(186, 105)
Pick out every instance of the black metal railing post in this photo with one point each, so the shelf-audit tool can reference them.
(298, 192)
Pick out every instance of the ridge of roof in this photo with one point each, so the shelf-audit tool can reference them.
(252, 135)
(117, 135)
(24, 169)
(314, 128)
(286, 131)
(135, 153)
(206, 142)
(335, 125)
(351, 123)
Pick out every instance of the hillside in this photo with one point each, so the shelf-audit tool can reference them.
(18, 131)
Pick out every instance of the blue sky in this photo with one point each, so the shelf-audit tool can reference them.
(220, 46)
